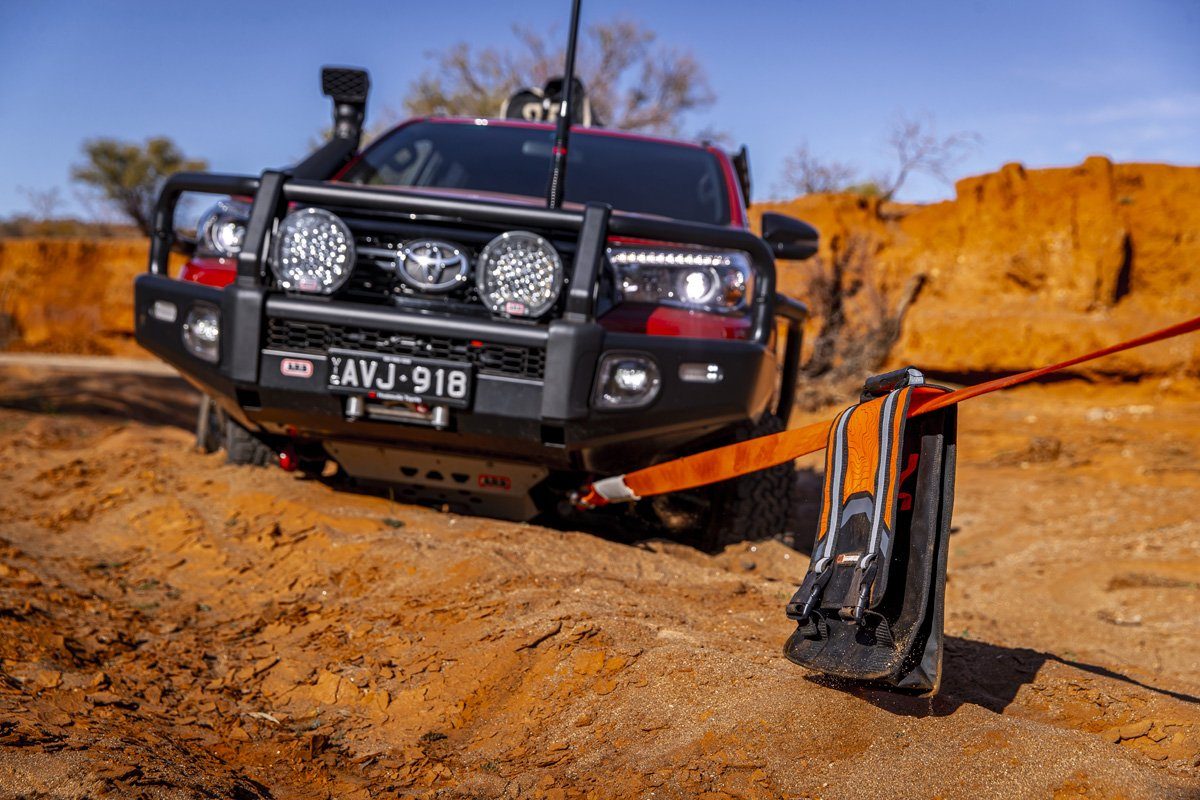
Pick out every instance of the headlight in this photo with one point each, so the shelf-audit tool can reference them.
(704, 280)
(519, 274)
(222, 229)
(313, 252)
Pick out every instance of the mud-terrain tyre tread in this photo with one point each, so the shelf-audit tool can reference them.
(244, 448)
(755, 506)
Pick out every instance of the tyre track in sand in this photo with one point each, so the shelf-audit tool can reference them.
(171, 626)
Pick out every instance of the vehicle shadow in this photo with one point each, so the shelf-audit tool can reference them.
(153, 399)
(982, 674)
(159, 399)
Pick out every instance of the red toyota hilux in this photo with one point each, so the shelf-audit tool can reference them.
(417, 314)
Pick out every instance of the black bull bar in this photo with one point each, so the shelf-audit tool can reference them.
(243, 309)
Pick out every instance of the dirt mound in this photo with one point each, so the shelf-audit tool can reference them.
(1025, 267)
(69, 295)
(174, 627)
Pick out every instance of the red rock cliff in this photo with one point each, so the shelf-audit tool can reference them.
(1026, 267)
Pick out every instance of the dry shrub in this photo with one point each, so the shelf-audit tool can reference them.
(859, 321)
(10, 330)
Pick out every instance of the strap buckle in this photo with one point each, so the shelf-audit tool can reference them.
(805, 600)
(888, 382)
(800, 612)
(855, 603)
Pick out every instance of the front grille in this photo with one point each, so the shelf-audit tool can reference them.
(317, 337)
(374, 280)
(368, 283)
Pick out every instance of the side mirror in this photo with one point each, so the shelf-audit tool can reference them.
(789, 237)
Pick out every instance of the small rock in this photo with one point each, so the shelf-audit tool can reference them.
(117, 772)
(110, 699)
(48, 678)
(264, 664)
(327, 687)
(60, 718)
(539, 635)
(1136, 729)
(316, 745)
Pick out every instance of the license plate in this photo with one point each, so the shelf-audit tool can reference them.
(413, 380)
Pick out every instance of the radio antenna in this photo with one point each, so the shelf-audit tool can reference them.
(566, 111)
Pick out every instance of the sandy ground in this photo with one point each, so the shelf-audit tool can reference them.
(174, 627)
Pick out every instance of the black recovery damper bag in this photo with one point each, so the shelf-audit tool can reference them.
(870, 606)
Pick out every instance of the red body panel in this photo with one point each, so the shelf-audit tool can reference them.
(670, 321)
(218, 272)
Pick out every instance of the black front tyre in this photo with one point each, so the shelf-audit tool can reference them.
(243, 447)
(754, 506)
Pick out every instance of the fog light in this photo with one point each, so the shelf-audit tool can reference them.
(202, 332)
(626, 380)
(630, 379)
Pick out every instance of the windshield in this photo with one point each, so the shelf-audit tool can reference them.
(637, 175)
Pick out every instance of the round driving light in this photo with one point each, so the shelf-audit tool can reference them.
(520, 274)
(314, 252)
(201, 332)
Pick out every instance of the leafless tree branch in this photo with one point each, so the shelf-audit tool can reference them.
(918, 148)
(805, 173)
(632, 83)
(44, 203)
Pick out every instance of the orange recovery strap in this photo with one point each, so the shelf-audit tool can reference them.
(727, 462)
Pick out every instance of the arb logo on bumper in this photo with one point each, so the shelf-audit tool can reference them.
(296, 368)
(495, 482)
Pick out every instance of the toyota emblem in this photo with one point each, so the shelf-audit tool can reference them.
(432, 266)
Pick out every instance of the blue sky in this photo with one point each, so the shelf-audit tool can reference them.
(1045, 83)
